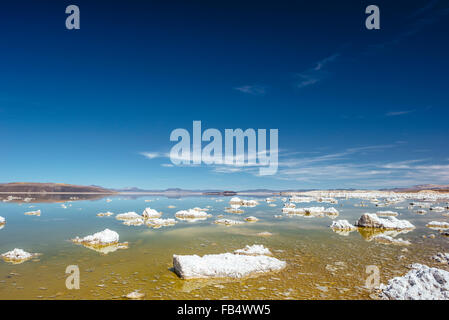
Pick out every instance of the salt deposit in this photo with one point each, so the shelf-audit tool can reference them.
(191, 215)
(33, 213)
(438, 225)
(17, 256)
(105, 214)
(225, 265)
(251, 219)
(228, 222)
(420, 283)
(369, 220)
(254, 250)
(128, 216)
(441, 257)
(149, 213)
(157, 223)
(102, 238)
(387, 213)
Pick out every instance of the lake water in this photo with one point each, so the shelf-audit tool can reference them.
(321, 264)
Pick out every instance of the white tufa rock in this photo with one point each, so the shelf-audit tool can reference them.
(149, 213)
(441, 257)
(191, 214)
(438, 225)
(342, 225)
(254, 250)
(102, 238)
(105, 214)
(420, 283)
(2, 220)
(225, 265)
(17, 256)
(437, 209)
(385, 239)
(387, 213)
(135, 295)
(128, 216)
(33, 213)
(157, 223)
(370, 220)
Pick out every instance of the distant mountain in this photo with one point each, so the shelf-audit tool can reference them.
(421, 187)
(34, 187)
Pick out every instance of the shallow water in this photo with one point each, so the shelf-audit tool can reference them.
(321, 264)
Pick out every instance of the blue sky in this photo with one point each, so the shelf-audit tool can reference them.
(354, 107)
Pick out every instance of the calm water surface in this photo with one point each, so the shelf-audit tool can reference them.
(321, 264)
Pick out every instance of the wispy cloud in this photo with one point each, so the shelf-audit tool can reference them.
(398, 113)
(255, 90)
(415, 23)
(152, 155)
(317, 73)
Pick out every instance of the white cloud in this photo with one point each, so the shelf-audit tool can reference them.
(255, 90)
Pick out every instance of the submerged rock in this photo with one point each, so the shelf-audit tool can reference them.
(370, 220)
(420, 283)
(224, 265)
(18, 256)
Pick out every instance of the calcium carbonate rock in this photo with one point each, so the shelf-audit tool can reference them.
(135, 295)
(104, 242)
(387, 213)
(2, 220)
(254, 250)
(251, 219)
(102, 238)
(225, 265)
(105, 214)
(342, 225)
(441, 257)
(438, 225)
(18, 256)
(128, 216)
(33, 213)
(369, 220)
(149, 213)
(191, 214)
(420, 283)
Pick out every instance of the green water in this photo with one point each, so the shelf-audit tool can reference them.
(320, 263)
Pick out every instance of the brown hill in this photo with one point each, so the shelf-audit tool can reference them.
(33, 187)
